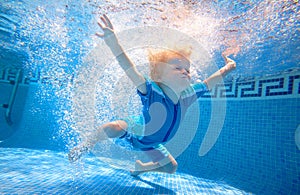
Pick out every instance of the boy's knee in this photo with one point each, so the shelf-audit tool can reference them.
(115, 128)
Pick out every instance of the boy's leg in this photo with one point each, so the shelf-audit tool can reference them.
(108, 130)
(115, 129)
(218, 76)
(166, 165)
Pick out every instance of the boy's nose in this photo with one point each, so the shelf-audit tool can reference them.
(184, 71)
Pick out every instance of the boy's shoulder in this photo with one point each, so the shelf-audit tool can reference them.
(154, 86)
(194, 89)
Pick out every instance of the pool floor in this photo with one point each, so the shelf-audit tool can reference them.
(27, 171)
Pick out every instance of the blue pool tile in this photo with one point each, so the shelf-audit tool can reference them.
(28, 171)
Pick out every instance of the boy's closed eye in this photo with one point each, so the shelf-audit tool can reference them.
(182, 68)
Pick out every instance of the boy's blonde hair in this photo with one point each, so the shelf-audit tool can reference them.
(160, 57)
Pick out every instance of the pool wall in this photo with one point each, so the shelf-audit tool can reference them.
(33, 120)
(256, 150)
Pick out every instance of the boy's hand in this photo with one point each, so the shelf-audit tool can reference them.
(230, 63)
(229, 66)
(108, 32)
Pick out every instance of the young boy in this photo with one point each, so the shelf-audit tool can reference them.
(165, 99)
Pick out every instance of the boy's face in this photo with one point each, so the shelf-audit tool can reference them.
(176, 73)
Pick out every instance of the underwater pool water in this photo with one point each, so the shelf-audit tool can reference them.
(244, 140)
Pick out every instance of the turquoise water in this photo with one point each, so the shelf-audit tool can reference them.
(243, 140)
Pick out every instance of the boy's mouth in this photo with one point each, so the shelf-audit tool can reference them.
(185, 77)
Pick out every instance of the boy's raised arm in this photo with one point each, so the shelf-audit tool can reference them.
(217, 77)
(112, 42)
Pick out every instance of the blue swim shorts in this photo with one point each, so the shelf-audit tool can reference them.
(134, 133)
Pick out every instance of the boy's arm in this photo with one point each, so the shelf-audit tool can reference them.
(112, 42)
(218, 76)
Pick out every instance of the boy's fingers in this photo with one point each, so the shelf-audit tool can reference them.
(99, 35)
(104, 20)
(227, 59)
(108, 21)
(101, 26)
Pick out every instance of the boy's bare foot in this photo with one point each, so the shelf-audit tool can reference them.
(77, 152)
(138, 168)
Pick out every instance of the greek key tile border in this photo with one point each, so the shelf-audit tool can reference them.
(285, 85)
(276, 86)
(30, 78)
(10, 75)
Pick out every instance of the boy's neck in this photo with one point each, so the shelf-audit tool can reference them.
(173, 95)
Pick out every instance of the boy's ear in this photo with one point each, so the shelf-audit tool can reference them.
(155, 74)
(150, 54)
